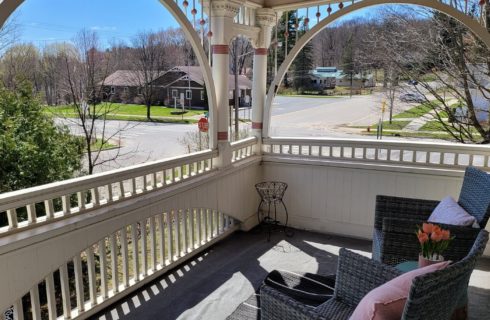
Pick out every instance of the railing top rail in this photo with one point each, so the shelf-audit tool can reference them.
(56, 189)
(378, 143)
(244, 142)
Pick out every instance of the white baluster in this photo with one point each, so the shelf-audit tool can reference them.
(65, 203)
(170, 240)
(199, 227)
(227, 222)
(65, 291)
(110, 196)
(114, 267)
(205, 225)
(124, 256)
(162, 239)
(81, 200)
(212, 224)
(192, 218)
(12, 218)
(35, 305)
(18, 310)
(144, 249)
(48, 205)
(133, 186)
(50, 297)
(134, 241)
(92, 289)
(77, 262)
(95, 197)
(178, 248)
(184, 232)
(122, 193)
(153, 244)
(103, 269)
(31, 213)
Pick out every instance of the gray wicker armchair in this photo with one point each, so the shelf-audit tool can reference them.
(396, 220)
(432, 296)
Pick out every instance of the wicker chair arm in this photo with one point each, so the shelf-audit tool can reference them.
(400, 242)
(402, 208)
(275, 305)
(357, 275)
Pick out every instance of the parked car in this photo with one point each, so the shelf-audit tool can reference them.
(413, 82)
(412, 97)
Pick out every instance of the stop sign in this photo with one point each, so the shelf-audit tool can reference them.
(203, 125)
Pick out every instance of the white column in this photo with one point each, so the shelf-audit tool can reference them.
(265, 19)
(222, 14)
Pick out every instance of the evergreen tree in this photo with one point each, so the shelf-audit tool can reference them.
(34, 150)
(281, 39)
(302, 66)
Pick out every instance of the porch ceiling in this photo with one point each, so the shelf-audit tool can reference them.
(214, 284)
(287, 4)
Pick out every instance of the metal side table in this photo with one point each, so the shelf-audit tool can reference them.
(271, 194)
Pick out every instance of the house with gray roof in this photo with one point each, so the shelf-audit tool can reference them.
(181, 84)
(330, 77)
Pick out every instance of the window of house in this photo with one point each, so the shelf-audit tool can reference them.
(175, 93)
(113, 90)
(140, 91)
(126, 89)
(202, 95)
(188, 94)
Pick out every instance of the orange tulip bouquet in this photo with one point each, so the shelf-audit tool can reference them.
(433, 241)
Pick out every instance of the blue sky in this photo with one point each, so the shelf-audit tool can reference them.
(45, 21)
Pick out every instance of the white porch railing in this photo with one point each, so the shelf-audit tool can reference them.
(243, 149)
(115, 265)
(428, 154)
(49, 203)
(97, 238)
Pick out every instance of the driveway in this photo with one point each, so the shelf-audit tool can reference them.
(304, 116)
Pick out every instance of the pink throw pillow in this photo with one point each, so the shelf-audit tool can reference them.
(448, 211)
(387, 301)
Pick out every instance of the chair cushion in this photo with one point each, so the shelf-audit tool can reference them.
(448, 211)
(475, 194)
(388, 300)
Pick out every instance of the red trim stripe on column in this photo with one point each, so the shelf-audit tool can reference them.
(261, 51)
(221, 49)
(223, 135)
(257, 125)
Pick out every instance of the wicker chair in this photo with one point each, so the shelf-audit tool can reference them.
(396, 218)
(432, 296)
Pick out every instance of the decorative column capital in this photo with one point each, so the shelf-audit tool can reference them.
(224, 8)
(265, 17)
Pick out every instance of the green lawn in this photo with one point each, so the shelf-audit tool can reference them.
(119, 111)
(98, 145)
(432, 126)
(394, 125)
(414, 112)
(442, 136)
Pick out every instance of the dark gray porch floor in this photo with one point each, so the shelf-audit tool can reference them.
(212, 285)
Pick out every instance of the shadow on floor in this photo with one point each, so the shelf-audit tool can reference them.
(212, 285)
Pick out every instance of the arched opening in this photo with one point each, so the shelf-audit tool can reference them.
(198, 93)
(466, 20)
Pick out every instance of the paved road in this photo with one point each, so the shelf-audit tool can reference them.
(140, 141)
(301, 116)
(291, 116)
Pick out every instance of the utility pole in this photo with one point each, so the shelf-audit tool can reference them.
(237, 90)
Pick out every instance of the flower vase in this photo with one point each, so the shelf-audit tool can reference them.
(424, 262)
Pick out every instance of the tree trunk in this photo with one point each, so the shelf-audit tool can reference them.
(148, 107)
